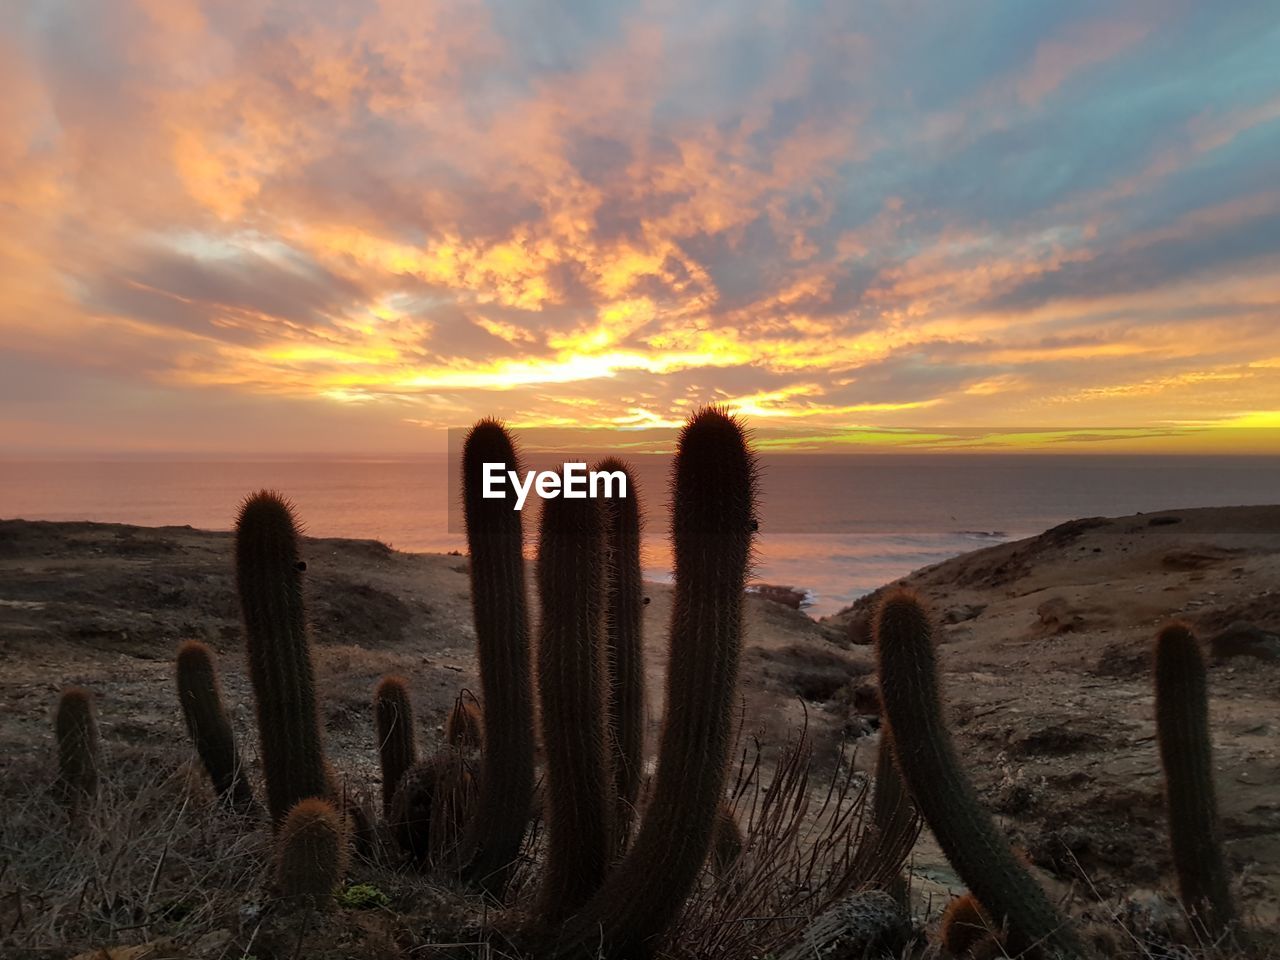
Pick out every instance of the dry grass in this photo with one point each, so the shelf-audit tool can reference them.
(157, 861)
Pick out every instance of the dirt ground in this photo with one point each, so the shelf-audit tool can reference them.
(1045, 653)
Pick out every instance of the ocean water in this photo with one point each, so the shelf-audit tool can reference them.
(835, 526)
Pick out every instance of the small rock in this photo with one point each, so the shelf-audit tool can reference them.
(963, 612)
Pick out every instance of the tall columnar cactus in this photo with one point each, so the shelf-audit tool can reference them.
(393, 724)
(572, 675)
(624, 628)
(208, 725)
(77, 735)
(1182, 725)
(499, 609)
(269, 580)
(713, 527)
(946, 797)
(311, 851)
(464, 727)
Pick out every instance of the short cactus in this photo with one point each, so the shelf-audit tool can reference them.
(208, 725)
(311, 851)
(430, 808)
(946, 797)
(1182, 726)
(499, 609)
(964, 925)
(77, 735)
(571, 685)
(623, 633)
(393, 724)
(893, 816)
(464, 727)
(269, 580)
(727, 843)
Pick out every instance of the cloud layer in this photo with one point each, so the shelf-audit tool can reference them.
(298, 226)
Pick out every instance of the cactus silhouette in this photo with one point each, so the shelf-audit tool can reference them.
(430, 808)
(499, 609)
(393, 724)
(943, 792)
(572, 676)
(623, 631)
(77, 735)
(727, 843)
(269, 580)
(311, 851)
(208, 726)
(713, 525)
(464, 727)
(893, 815)
(964, 925)
(1182, 726)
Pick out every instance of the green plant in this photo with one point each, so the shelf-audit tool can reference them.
(363, 896)
(311, 851)
(269, 581)
(928, 762)
(393, 724)
(623, 632)
(496, 831)
(208, 726)
(1182, 726)
(572, 678)
(76, 731)
(713, 526)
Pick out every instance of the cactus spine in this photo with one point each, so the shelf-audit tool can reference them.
(495, 539)
(1182, 725)
(713, 526)
(929, 765)
(269, 580)
(624, 622)
(208, 724)
(311, 851)
(77, 735)
(393, 723)
(571, 689)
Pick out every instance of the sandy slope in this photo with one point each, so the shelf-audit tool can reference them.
(1044, 655)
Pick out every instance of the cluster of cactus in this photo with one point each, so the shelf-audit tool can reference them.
(1005, 908)
(612, 887)
(609, 887)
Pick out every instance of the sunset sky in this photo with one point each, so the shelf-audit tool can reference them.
(343, 226)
